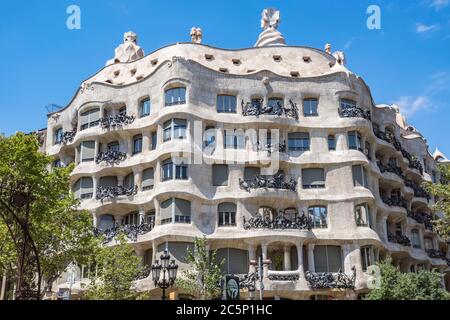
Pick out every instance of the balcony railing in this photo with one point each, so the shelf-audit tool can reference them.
(436, 254)
(277, 181)
(116, 121)
(394, 201)
(270, 148)
(131, 231)
(400, 239)
(67, 137)
(110, 157)
(331, 280)
(302, 222)
(423, 218)
(284, 275)
(390, 168)
(114, 192)
(354, 112)
(256, 108)
(415, 164)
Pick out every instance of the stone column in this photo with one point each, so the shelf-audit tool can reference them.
(118, 219)
(138, 178)
(300, 259)
(157, 212)
(287, 258)
(146, 141)
(141, 215)
(120, 180)
(264, 254)
(252, 256)
(346, 252)
(141, 254)
(97, 147)
(129, 147)
(159, 134)
(95, 184)
(95, 219)
(154, 251)
(3, 289)
(311, 266)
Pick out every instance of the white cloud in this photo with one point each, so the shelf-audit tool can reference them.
(422, 28)
(438, 4)
(409, 105)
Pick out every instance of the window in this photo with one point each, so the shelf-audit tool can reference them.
(313, 178)
(123, 111)
(177, 210)
(110, 181)
(154, 140)
(169, 168)
(144, 108)
(415, 238)
(106, 222)
(251, 172)
(83, 188)
(226, 104)
(428, 243)
(362, 215)
(58, 164)
(331, 143)
(319, 216)
(87, 151)
(359, 176)
(175, 96)
(150, 217)
(275, 103)
(298, 141)
(114, 146)
(147, 179)
(347, 104)
(128, 181)
(235, 261)
(137, 144)
(227, 214)
(90, 118)
(366, 257)
(175, 128)
(234, 140)
(368, 151)
(59, 135)
(354, 140)
(327, 258)
(131, 219)
(310, 107)
(177, 250)
(220, 174)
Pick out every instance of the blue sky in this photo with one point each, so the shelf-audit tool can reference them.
(406, 62)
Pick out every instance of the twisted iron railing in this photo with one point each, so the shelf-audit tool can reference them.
(284, 275)
(67, 137)
(415, 164)
(273, 182)
(256, 108)
(400, 239)
(394, 201)
(436, 254)
(116, 121)
(423, 218)
(114, 192)
(131, 231)
(270, 148)
(110, 157)
(390, 168)
(331, 280)
(354, 112)
(302, 222)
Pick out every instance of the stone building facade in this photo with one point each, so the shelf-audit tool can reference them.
(181, 143)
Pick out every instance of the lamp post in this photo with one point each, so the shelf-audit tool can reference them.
(170, 268)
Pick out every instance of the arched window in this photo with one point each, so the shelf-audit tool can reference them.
(227, 214)
(131, 219)
(175, 96)
(128, 182)
(106, 222)
(90, 118)
(177, 210)
(319, 216)
(226, 104)
(362, 215)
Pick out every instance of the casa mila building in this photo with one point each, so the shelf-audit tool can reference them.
(275, 150)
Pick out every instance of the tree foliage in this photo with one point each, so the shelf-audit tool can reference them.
(118, 268)
(395, 285)
(442, 191)
(204, 273)
(51, 222)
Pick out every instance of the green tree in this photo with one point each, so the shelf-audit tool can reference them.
(395, 285)
(118, 268)
(441, 190)
(204, 273)
(41, 229)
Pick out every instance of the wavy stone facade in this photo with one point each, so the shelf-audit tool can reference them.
(348, 193)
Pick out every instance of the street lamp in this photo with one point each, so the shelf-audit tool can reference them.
(170, 268)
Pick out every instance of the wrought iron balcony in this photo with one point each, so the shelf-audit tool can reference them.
(129, 230)
(331, 280)
(423, 218)
(110, 157)
(390, 168)
(67, 137)
(399, 238)
(394, 201)
(277, 181)
(270, 148)
(388, 137)
(114, 192)
(355, 112)
(284, 275)
(256, 108)
(302, 222)
(116, 121)
(436, 254)
(415, 164)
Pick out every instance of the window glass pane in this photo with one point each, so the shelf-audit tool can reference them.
(358, 180)
(298, 141)
(275, 102)
(181, 172)
(114, 146)
(220, 174)
(319, 216)
(179, 130)
(166, 211)
(137, 144)
(167, 168)
(167, 134)
(347, 103)
(226, 103)
(154, 140)
(334, 258)
(251, 172)
(147, 179)
(352, 142)
(313, 178)
(175, 96)
(331, 143)
(145, 108)
(310, 107)
(87, 151)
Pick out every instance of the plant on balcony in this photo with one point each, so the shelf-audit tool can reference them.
(395, 285)
(441, 190)
(204, 271)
